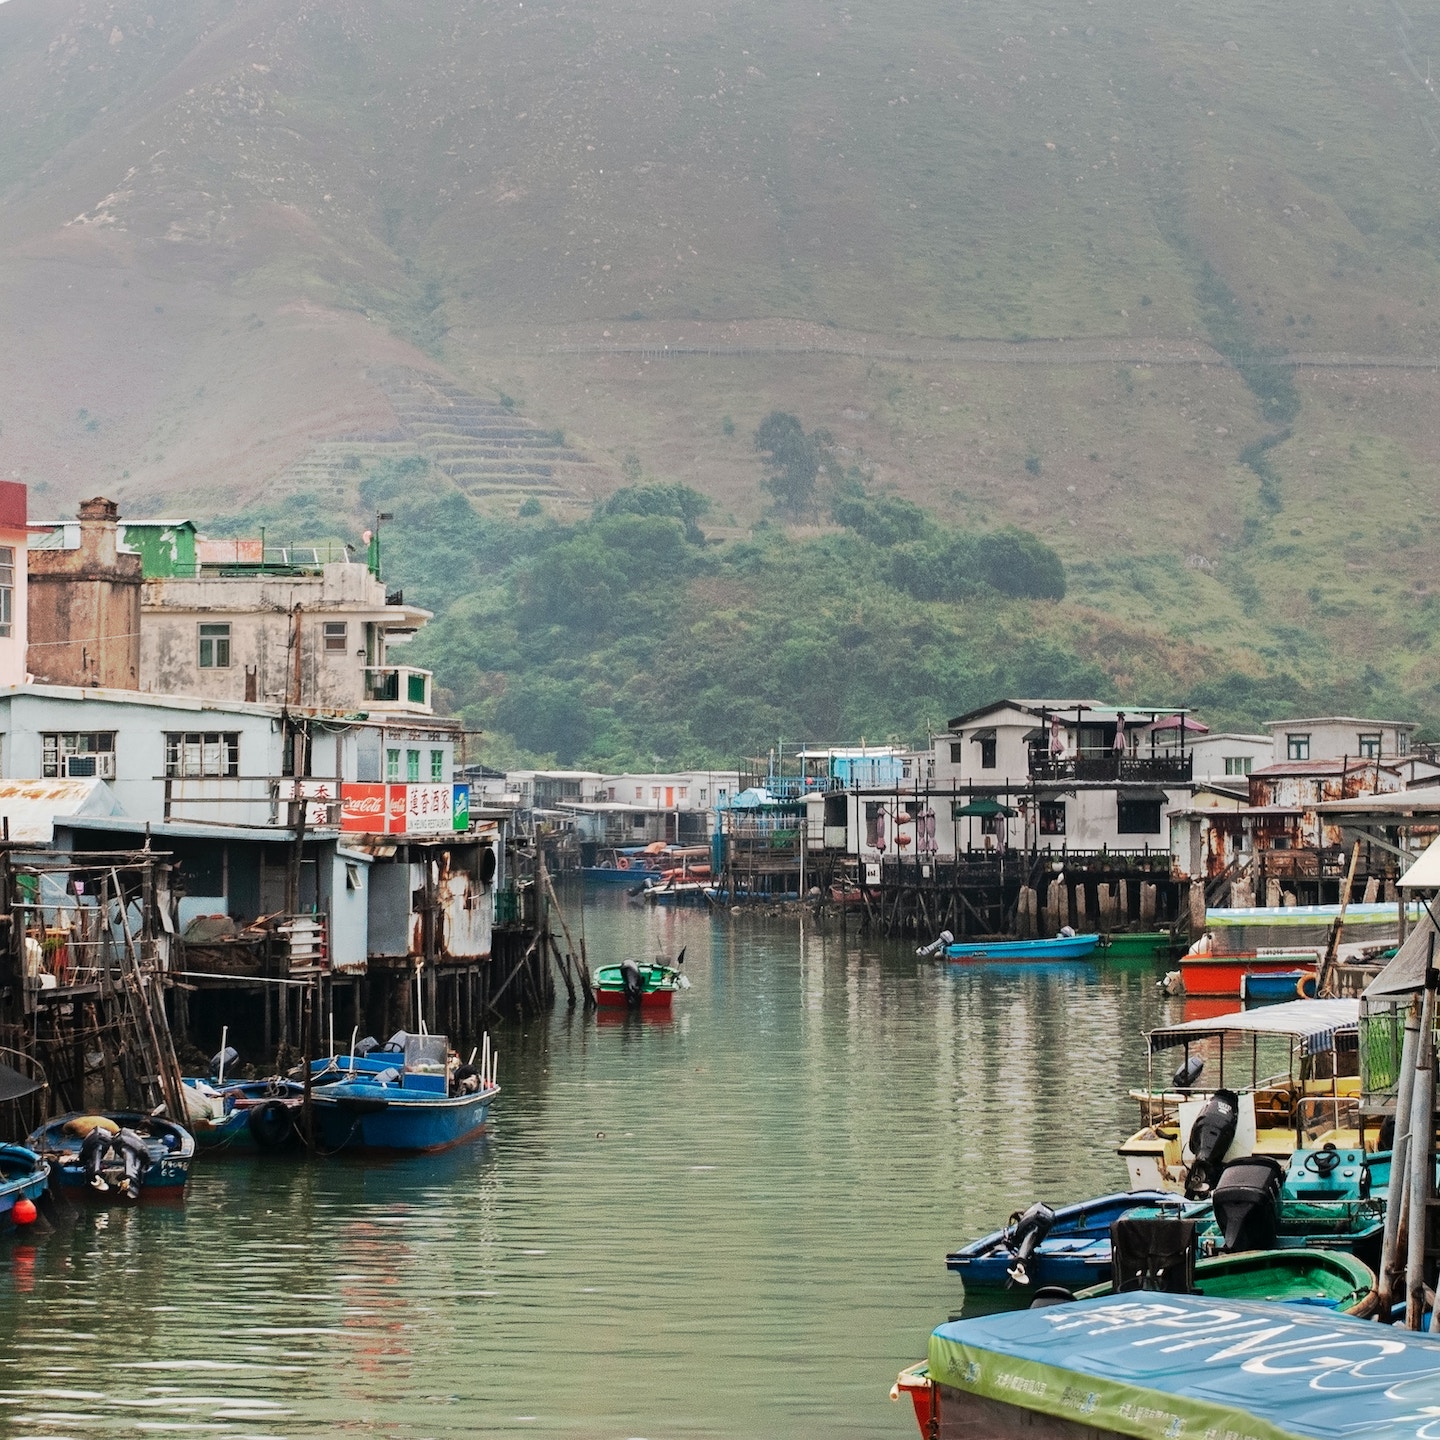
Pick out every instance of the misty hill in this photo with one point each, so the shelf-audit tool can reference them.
(1158, 285)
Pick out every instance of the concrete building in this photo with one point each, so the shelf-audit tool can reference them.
(1333, 737)
(85, 602)
(14, 604)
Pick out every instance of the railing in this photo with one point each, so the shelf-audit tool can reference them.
(1114, 768)
(792, 787)
(252, 800)
(400, 685)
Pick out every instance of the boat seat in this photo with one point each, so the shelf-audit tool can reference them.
(1153, 1254)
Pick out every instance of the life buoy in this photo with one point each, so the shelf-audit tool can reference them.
(1305, 986)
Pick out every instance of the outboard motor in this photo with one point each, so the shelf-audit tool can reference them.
(224, 1060)
(1246, 1199)
(365, 1046)
(634, 985)
(1186, 1076)
(466, 1081)
(1023, 1235)
(135, 1159)
(936, 946)
(1210, 1137)
(93, 1150)
(1048, 1295)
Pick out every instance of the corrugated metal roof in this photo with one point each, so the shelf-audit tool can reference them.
(32, 806)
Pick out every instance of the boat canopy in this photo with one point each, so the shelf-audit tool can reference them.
(1314, 1023)
(1153, 1366)
(1424, 874)
(983, 805)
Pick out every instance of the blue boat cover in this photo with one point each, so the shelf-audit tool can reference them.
(1179, 1367)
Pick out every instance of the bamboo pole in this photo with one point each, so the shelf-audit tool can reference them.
(544, 873)
(1323, 984)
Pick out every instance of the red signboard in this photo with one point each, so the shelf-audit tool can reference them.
(363, 809)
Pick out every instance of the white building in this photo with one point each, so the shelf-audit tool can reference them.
(1333, 737)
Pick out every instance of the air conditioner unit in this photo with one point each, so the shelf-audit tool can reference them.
(88, 767)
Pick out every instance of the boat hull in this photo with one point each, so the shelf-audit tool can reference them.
(355, 1116)
(1067, 947)
(23, 1176)
(1268, 987)
(611, 875)
(1148, 946)
(1220, 976)
(650, 1001)
(166, 1175)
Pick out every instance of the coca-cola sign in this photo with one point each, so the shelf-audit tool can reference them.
(363, 809)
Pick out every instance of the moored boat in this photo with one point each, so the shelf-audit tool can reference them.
(1059, 947)
(1332, 1279)
(638, 986)
(119, 1153)
(244, 1114)
(1268, 987)
(23, 1178)
(422, 1100)
(1120, 946)
(1222, 974)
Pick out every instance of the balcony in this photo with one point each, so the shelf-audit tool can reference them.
(1109, 768)
(398, 687)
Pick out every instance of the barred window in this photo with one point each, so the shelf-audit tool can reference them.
(76, 755)
(197, 754)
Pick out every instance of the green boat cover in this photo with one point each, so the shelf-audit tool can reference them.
(1180, 1367)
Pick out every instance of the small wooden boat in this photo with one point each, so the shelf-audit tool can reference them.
(678, 892)
(1073, 1248)
(422, 1099)
(1060, 947)
(1331, 1279)
(1269, 987)
(156, 1161)
(638, 987)
(23, 1177)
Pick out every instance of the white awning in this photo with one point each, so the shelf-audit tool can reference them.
(1312, 1022)
(1424, 874)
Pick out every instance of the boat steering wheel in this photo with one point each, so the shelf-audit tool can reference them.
(1324, 1162)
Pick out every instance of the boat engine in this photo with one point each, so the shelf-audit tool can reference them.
(936, 946)
(1186, 1076)
(634, 985)
(1246, 1198)
(93, 1150)
(1023, 1235)
(1210, 1137)
(134, 1161)
(224, 1060)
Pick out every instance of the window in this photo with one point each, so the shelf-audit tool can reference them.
(214, 647)
(392, 766)
(1402, 742)
(610, 792)
(1369, 747)
(193, 754)
(352, 875)
(684, 792)
(1297, 747)
(437, 766)
(412, 766)
(78, 755)
(335, 635)
(1052, 817)
(987, 753)
(7, 589)
(1238, 764)
(957, 752)
(655, 793)
(639, 793)
(1138, 817)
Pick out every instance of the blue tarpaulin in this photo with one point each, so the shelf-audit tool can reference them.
(1173, 1367)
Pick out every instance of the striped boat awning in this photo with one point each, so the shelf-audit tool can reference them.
(1314, 1023)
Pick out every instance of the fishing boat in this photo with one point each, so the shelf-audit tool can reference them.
(653, 864)
(23, 1178)
(422, 1099)
(1117, 1365)
(1313, 1101)
(678, 892)
(129, 1153)
(244, 1114)
(640, 987)
(1148, 945)
(1205, 971)
(1331, 1279)
(1059, 947)
(1269, 987)
(1068, 1245)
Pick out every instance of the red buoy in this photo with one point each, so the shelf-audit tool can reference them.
(24, 1211)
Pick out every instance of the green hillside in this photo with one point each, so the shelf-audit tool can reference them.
(1157, 286)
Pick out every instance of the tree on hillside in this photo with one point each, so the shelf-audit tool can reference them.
(793, 462)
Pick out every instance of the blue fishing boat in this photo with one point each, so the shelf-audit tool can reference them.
(1258, 987)
(1068, 1245)
(23, 1177)
(411, 1095)
(1150, 1366)
(1060, 947)
(120, 1153)
(244, 1114)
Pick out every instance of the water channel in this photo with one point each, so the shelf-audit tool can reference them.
(729, 1225)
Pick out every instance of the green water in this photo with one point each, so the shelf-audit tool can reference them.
(729, 1225)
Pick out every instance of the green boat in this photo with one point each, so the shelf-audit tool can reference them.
(1331, 1279)
(1144, 945)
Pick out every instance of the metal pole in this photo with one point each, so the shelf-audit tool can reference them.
(1399, 1151)
(1422, 1152)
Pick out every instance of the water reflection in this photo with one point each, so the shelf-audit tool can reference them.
(729, 1225)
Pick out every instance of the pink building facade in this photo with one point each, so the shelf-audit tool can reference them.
(13, 611)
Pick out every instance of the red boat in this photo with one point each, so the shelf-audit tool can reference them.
(651, 988)
(1219, 975)
(917, 1384)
